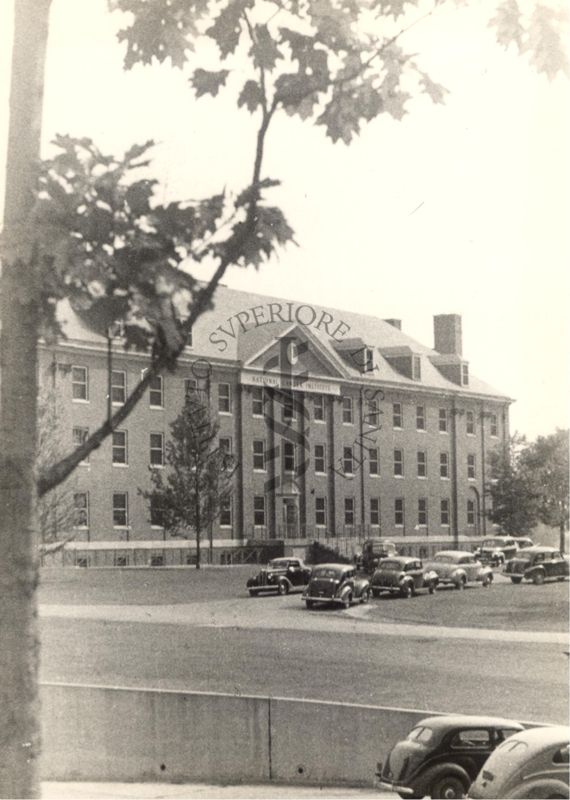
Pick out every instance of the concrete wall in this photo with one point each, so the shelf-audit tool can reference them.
(103, 733)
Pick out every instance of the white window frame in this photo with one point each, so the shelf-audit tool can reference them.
(444, 511)
(119, 386)
(321, 511)
(259, 510)
(471, 467)
(120, 508)
(257, 454)
(124, 447)
(319, 403)
(494, 426)
(399, 463)
(84, 509)
(347, 411)
(421, 464)
(375, 512)
(470, 423)
(224, 399)
(421, 417)
(153, 390)
(444, 466)
(154, 448)
(471, 513)
(80, 439)
(81, 383)
(226, 506)
(349, 510)
(289, 453)
(443, 422)
(401, 510)
(348, 459)
(374, 462)
(397, 416)
(321, 458)
(257, 397)
(423, 511)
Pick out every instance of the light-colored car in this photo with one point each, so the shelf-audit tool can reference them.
(458, 567)
(533, 763)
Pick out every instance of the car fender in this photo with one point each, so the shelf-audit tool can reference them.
(484, 573)
(458, 574)
(431, 575)
(533, 570)
(283, 579)
(539, 787)
(406, 580)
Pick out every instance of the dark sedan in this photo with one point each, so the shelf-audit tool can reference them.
(280, 575)
(336, 583)
(537, 564)
(402, 575)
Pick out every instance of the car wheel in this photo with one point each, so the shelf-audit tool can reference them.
(448, 786)
(431, 587)
(309, 604)
(487, 581)
(516, 580)
(253, 593)
(365, 596)
(283, 588)
(460, 584)
(406, 590)
(538, 578)
(347, 600)
(375, 593)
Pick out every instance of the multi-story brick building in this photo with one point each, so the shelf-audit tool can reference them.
(340, 423)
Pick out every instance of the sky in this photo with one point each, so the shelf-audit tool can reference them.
(458, 208)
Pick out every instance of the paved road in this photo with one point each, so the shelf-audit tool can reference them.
(275, 646)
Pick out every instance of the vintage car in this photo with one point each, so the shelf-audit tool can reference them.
(459, 567)
(336, 583)
(441, 756)
(402, 575)
(280, 575)
(495, 550)
(537, 564)
(533, 763)
(372, 551)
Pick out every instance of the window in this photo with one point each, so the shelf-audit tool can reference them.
(444, 511)
(79, 383)
(320, 458)
(494, 425)
(120, 454)
(444, 465)
(190, 386)
(349, 510)
(288, 457)
(319, 407)
(397, 415)
(374, 461)
(420, 418)
(471, 513)
(320, 511)
(257, 402)
(470, 423)
(416, 368)
(422, 464)
(80, 436)
(224, 398)
(373, 413)
(475, 738)
(398, 463)
(288, 407)
(348, 460)
(465, 374)
(258, 454)
(226, 512)
(347, 410)
(118, 386)
(375, 511)
(399, 512)
(120, 510)
(422, 512)
(225, 445)
(471, 466)
(156, 395)
(156, 513)
(259, 510)
(562, 756)
(81, 510)
(157, 449)
(443, 420)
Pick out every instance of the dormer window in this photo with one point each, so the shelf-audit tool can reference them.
(465, 374)
(416, 368)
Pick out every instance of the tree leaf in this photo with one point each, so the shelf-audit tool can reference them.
(227, 28)
(251, 96)
(206, 82)
(507, 22)
(264, 49)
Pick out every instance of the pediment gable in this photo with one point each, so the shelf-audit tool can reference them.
(296, 351)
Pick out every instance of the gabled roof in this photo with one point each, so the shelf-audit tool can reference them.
(222, 336)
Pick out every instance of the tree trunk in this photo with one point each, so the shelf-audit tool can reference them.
(562, 535)
(20, 736)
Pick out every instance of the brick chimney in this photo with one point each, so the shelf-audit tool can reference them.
(447, 333)
(395, 323)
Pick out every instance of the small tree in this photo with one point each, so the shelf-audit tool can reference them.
(199, 482)
(55, 511)
(512, 491)
(546, 463)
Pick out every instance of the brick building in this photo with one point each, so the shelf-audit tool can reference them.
(342, 425)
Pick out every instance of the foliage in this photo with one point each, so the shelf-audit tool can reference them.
(199, 479)
(530, 483)
(55, 512)
(319, 553)
(546, 462)
(514, 503)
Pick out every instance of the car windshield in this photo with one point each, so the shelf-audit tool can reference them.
(390, 565)
(420, 734)
(279, 563)
(524, 554)
(444, 559)
(321, 572)
(494, 543)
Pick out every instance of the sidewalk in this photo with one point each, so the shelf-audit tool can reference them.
(157, 791)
